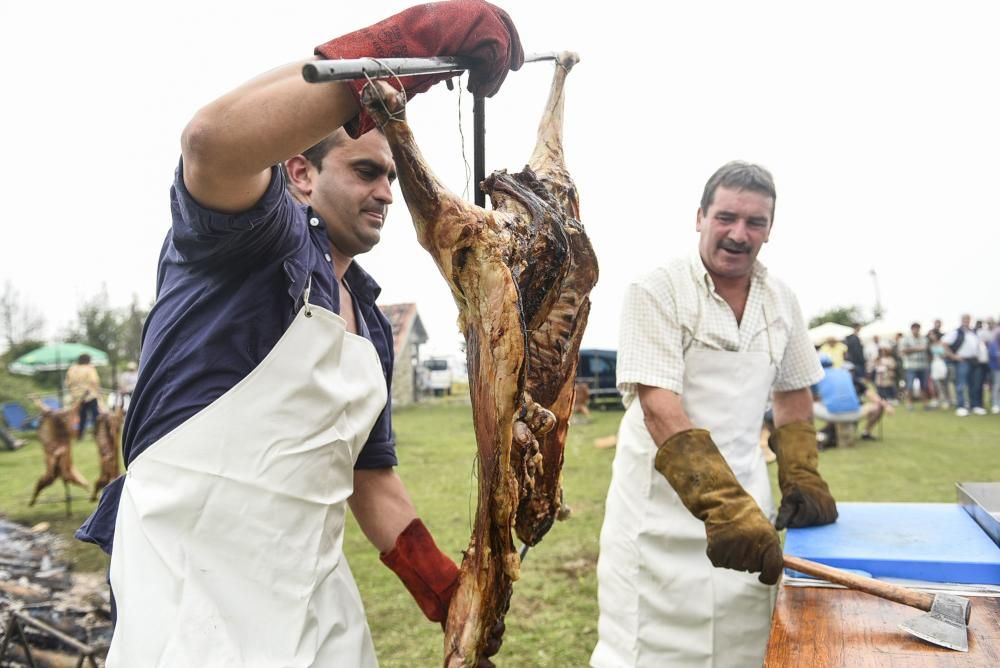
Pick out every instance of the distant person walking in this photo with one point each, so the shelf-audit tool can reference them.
(916, 360)
(837, 350)
(127, 380)
(941, 372)
(936, 329)
(884, 371)
(964, 346)
(84, 386)
(856, 351)
(871, 349)
(979, 377)
(993, 349)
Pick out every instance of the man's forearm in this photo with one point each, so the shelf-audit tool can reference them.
(662, 412)
(792, 406)
(381, 505)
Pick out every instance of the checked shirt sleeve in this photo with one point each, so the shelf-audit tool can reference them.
(650, 348)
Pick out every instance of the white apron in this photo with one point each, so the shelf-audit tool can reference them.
(662, 603)
(228, 538)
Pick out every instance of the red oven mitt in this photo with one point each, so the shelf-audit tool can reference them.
(428, 574)
(469, 28)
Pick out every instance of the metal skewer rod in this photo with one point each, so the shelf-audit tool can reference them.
(380, 68)
(478, 150)
(319, 71)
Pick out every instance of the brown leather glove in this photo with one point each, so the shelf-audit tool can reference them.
(805, 497)
(739, 535)
(428, 574)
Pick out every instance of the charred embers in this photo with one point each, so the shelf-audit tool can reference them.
(62, 619)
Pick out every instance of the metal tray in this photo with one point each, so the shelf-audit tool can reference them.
(982, 501)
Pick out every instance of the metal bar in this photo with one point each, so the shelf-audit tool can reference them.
(981, 500)
(6, 637)
(380, 68)
(383, 68)
(479, 149)
(535, 57)
(14, 625)
(320, 71)
(83, 648)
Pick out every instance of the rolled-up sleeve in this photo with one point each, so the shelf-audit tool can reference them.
(379, 451)
(199, 233)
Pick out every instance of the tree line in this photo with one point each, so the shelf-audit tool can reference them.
(115, 330)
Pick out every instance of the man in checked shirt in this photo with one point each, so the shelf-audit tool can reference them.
(705, 340)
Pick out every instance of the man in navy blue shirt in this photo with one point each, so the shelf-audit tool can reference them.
(261, 406)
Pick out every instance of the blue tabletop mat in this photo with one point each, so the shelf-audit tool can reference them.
(937, 542)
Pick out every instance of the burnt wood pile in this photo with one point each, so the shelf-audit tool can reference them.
(64, 618)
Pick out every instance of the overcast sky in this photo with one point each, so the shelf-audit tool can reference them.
(878, 120)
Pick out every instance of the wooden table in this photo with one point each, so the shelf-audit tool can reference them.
(822, 627)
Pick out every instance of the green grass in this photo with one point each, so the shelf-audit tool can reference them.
(19, 470)
(553, 616)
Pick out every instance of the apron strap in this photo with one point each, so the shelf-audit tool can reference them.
(305, 296)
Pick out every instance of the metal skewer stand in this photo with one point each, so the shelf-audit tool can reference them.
(321, 71)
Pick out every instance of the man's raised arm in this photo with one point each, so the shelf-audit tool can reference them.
(230, 145)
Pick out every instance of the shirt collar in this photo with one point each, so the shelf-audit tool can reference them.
(363, 286)
(701, 276)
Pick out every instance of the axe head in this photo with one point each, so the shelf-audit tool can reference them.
(947, 623)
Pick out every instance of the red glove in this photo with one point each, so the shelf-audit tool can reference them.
(428, 574)
(470, 28)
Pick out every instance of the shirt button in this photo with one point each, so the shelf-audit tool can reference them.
(327, 256)
(314, 222)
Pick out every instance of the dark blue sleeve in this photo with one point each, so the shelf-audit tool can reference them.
(380, 449)
(99, 528)
(199, 233)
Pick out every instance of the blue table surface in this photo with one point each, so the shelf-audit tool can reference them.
(937, 542)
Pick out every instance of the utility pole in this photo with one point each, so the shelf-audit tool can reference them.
(877, 311)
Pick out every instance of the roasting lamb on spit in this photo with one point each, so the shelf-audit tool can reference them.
(55, 432)
(520, 275)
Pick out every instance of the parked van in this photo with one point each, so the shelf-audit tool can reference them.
(597, 369)
(436, 376)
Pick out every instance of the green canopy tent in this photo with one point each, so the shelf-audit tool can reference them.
(56, 357)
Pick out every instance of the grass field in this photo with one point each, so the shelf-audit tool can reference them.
(553, 614)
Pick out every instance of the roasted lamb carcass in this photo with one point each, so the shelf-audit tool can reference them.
(520, 275)
(55, 432)
(108, 435)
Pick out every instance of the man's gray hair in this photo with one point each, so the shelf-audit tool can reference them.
(739, 175)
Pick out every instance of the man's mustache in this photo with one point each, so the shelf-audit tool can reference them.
(734, 246)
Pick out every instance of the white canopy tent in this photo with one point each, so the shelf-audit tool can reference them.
(820, 333)
(885, 329)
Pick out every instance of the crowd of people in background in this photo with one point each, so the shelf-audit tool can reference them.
(943, 368)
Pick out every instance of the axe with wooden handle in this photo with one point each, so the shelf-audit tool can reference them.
(946, 622)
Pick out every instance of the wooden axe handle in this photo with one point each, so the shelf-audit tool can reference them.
(878, 588)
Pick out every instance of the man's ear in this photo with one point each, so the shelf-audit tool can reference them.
(300, 173)
(697, 221)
